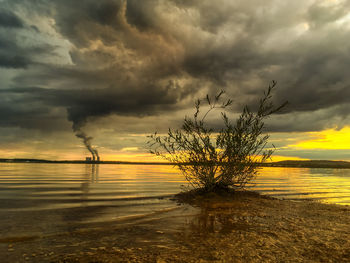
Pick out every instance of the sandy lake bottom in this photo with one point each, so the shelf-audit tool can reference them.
(244, 228)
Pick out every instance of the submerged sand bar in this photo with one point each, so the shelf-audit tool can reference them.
(245, 227)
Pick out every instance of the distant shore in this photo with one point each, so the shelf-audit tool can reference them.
(77, 161)
(287, 163)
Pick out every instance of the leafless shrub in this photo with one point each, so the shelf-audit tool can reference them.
(215, 160)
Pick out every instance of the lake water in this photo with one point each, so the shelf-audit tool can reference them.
(44, 199)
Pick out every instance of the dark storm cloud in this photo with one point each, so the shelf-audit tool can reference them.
(139, 58)
(11, 55)
(13, 61)
(15, 50)
(20, 106)
(9, 19)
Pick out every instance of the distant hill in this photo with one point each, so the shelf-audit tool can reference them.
(310, 164)
(287, 163)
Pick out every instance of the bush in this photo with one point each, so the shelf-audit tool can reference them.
(216, 160)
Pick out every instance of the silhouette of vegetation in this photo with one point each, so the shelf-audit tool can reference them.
(227, 159)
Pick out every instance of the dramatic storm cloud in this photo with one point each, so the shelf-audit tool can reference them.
(85, 63)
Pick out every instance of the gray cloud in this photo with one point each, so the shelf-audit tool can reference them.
(19, 46)
(9, 19)
(146, 58)
(9, 57)
(28, 106)
(13, 61)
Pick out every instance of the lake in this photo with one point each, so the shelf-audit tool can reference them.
(43, 199)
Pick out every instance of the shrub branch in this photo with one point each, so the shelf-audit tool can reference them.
(227, 159)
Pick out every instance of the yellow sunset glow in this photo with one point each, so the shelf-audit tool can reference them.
(278, 158)
(132, 157)
(331, 139)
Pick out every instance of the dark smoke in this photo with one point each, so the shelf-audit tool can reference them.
(96, 154)
(87, 142)
(79, 122)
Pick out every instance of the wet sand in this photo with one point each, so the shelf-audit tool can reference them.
(245, 227)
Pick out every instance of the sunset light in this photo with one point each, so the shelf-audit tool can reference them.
(174, 131)
(331, 139)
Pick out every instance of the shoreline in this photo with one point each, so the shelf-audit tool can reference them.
(286, 163)
(244, 227)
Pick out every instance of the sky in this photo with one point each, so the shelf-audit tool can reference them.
(116, 71)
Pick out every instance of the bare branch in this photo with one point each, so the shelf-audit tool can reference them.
(231, 158)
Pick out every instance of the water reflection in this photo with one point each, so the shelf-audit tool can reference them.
(51, 197)
(325, 185)
(90, 177)
(222, 220)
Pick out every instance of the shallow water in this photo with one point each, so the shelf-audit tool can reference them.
(44, 199)
(324, 185)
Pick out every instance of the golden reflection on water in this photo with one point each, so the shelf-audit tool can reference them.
(325, 185)
(52, 198)
(54, 186)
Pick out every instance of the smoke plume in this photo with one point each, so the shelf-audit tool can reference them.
(87, 142)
